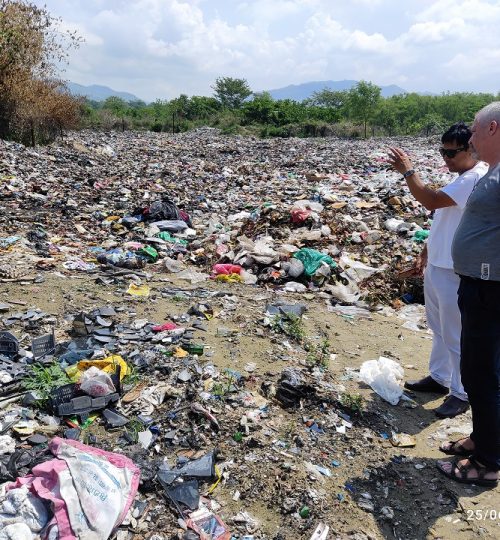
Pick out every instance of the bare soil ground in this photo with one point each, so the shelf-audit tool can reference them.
(376, 491)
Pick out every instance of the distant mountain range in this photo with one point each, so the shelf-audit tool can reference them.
(299, 92)
(99, 93)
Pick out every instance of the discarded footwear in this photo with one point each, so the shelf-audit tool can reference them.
(451, 407)
(427, 384)
(455, 448)
(460, 473)
(133, 394)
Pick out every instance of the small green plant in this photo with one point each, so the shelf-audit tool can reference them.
(319, 355)
(353, 402)
(134, 427)
(223, 388)
(43, 379)
(290, 325)
(132, 377)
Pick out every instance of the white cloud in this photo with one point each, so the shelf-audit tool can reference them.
(88, 37)
(160, 48)
(482, 11)
(433, 32)
(486, 63)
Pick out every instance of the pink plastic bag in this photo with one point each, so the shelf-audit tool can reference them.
(164, 327)
(299, 215)
(226, 269)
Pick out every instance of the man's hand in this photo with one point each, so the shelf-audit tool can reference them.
(421, 262)
(399, 160)
(417, 270)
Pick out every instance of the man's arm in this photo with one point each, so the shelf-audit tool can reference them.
(428, 197)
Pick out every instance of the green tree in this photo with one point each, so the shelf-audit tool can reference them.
(201, 107)
(364, 99)
(119, 109)
(336, 101)
(116, 105)
(432, 123)
(230, 92)
(261, 109)
(385, 117)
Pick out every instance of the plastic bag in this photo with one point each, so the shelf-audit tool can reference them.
(356, 270)
(25, 510)
(293, 286)
(192, 276)
(248, 278)
(173, 265)
(108, 365)
(294, 267)
(384, 376)
(226, 269)
(421, 236)
(313, 259)
(299, 215)
(228, 278)
(138, 290)
(96, 383)
(263, 253)
(392, 224)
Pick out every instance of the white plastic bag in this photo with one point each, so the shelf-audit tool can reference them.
(7, 444)
(293, 286)
(356, 270)
(248, 277)
(21, 508)
(193, 276)
(96, 382)
(384, 376)
(173, 265)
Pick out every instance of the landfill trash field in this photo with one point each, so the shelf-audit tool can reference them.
(205, 336)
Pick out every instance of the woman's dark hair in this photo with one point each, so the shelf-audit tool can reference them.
(459, 133)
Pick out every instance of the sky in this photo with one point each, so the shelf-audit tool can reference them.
(158, 49)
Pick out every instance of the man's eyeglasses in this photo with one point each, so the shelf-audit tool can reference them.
(450, 153)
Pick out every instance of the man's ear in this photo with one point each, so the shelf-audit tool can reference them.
(494, 127)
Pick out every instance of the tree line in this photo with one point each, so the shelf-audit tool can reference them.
(233, 107)
(36, 106)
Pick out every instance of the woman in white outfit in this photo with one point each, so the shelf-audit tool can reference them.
(440, 281)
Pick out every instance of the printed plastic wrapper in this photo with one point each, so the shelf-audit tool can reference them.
(96, 382)
(90, 490)
(208, 525)
(384, 376)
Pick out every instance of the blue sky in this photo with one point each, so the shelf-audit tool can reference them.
(162, 48)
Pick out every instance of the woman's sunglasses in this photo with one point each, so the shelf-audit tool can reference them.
(445, 152)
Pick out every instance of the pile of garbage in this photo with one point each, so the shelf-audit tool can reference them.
(108, 418)
(150, 391)
(296, 215)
